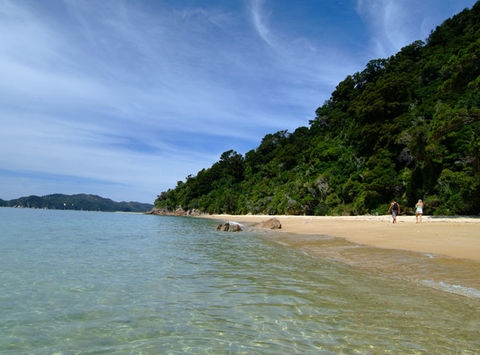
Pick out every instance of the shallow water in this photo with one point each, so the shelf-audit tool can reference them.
(459, 276)
(121, 283)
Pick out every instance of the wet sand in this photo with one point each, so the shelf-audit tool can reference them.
(456, 237)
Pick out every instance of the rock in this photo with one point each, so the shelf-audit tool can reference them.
(180, 212)
(159, 212)
(272, 223)
(229, 227)
(165, 212)
(234, 228)
(194, 212)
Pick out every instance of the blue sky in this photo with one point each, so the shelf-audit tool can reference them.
(124, 98)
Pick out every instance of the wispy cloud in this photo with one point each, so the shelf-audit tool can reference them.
(391, 24)
(259, 22)
(140, 94)
(315, 62)
(394, 24)
(110, 95)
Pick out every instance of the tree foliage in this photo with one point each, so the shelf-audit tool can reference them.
(405, 127)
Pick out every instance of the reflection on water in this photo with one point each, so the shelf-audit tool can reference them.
(98, 282)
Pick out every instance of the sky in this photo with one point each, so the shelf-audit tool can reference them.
(124, 98)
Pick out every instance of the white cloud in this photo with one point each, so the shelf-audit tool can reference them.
(394, 24)
(97, 98)
(74, 103)
(115, 93)
(49, 146)
(259, 22)
(387, 20)
(310, 67)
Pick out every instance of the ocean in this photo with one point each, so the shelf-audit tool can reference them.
(93, 282)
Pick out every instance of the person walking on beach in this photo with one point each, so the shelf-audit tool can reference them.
(395, 209)
(419, 210)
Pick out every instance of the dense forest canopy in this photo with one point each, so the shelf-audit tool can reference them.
(406, 127)
(83, 202)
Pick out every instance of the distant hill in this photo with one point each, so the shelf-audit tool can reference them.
(76, 202)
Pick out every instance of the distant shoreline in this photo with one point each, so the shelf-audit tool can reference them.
(68, 209)
(456, 237)
(77, 202)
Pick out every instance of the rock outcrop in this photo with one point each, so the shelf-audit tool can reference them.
(272, 223)
(178, 212)
(160, 212)
(194, 213)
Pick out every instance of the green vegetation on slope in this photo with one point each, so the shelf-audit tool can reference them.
(76, 202)
(406, 127)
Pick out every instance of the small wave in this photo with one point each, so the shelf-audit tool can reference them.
(235, 223)
(457, 289)
(429, 255)
(232, 223)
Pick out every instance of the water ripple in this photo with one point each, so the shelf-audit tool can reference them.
(76, 282)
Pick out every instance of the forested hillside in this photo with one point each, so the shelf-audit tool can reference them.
(406, 127)
(76, 202)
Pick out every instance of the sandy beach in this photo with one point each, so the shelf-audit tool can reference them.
(456, 237)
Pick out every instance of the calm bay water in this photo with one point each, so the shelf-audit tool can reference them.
(87, 282)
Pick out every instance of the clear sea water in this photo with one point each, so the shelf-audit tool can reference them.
(92, 282)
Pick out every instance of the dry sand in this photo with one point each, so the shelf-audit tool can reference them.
(457, 237)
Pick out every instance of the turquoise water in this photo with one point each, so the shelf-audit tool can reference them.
(92, 282)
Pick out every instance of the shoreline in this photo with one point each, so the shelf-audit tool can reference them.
(455, 237)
